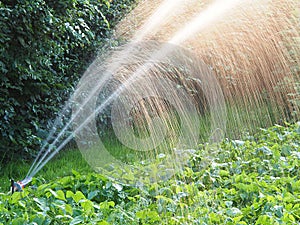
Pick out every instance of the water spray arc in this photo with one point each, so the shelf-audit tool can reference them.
(151, 24)
(100, 73)
(165, 50)
(211, 14)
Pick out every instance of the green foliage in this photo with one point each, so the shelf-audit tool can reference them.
(45, 47)
(250, 181)
(60, 166)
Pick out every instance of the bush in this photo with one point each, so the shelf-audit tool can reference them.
(44, 49)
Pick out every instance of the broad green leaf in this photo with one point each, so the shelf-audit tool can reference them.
(60, 195)
(78, 196)
(69, 194)
(87, 206)
(107, 205)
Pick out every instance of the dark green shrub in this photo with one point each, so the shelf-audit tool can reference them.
(45, 47)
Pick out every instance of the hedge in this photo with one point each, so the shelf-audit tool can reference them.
(45, 46)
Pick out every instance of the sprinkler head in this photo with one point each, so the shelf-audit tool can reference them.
(19, 185)
(16, 186)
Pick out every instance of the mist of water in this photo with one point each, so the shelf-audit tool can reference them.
(241, 41)
(151, 24)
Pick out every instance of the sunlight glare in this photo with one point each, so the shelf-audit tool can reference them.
(204, 19)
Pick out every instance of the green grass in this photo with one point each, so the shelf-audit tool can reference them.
(61, 165)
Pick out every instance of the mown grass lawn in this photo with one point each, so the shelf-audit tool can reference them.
(61, 165)
(255, 180)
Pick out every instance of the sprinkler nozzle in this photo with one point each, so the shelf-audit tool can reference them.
(19, 185)
(16, 186)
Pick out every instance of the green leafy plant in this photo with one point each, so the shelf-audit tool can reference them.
(250, 181)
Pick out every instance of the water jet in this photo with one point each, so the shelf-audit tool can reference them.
(243, 47)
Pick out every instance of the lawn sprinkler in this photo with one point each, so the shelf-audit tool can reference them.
(19, 185)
